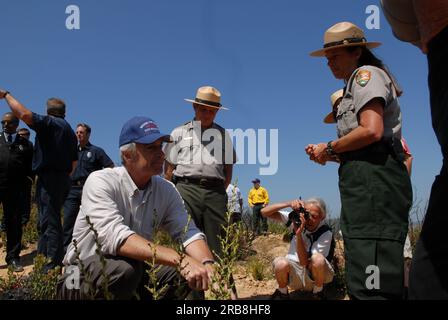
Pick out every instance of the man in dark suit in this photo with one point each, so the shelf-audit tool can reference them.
(16, 155)
(55, 156)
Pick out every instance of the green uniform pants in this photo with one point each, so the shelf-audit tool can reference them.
(376, 195)
(208, 208)
(374, 268)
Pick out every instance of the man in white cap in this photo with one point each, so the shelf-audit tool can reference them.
(200, 163)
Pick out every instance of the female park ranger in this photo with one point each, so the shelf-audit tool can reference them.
(376, 192)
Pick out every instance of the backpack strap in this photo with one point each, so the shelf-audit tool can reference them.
(316, 235)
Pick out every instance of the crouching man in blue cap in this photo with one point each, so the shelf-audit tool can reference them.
(126, 205)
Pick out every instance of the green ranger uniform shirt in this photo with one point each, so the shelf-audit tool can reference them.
(200, 153)
(365, 84)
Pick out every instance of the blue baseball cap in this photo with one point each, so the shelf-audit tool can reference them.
(256, 180)
(141, 130)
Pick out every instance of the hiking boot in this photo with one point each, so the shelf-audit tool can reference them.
(15, 266)
(277, 295)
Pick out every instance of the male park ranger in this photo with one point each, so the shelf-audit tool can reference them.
(200, 162)
(335, 99)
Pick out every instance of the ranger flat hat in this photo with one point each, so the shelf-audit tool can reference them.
(209, 97)
(344, 34)
(335, 97)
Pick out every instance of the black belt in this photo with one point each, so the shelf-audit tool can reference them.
(204, 182)
(259, 204)
(380, 148)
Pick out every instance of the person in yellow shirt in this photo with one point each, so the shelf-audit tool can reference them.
(258, 199)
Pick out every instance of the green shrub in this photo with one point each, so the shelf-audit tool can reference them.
(37, 285)
(222, 279)
(42, 286)
(257, 269)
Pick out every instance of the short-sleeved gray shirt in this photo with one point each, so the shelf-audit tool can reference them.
(200, 154)
(365, 84)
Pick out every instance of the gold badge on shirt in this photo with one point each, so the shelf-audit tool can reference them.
(363, 77)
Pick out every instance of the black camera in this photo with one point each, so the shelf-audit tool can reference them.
(294, 217)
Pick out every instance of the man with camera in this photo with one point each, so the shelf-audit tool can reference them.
(307, 265)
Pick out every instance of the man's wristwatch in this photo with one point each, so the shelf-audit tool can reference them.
(330, 150)
(208, 261)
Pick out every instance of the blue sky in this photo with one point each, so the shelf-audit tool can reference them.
(143, 57)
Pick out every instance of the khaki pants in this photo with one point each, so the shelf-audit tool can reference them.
(300, 277)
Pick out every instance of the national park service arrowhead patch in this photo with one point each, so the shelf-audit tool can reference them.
(363, 77)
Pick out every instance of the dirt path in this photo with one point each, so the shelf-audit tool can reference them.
(266, 249)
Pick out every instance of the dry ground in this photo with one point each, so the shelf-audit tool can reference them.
(264, 249)
(26, 257)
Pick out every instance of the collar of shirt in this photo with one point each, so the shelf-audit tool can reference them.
(131, 188)
(307, 232)
(190, 125)
(13, 136)
(86, 147)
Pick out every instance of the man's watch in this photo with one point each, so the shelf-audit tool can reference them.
(330, 150)
(208, 261)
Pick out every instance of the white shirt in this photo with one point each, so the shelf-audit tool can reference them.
(322, 245)
(234, 197)
(13, 136)
(118, 209)
(407, 250)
